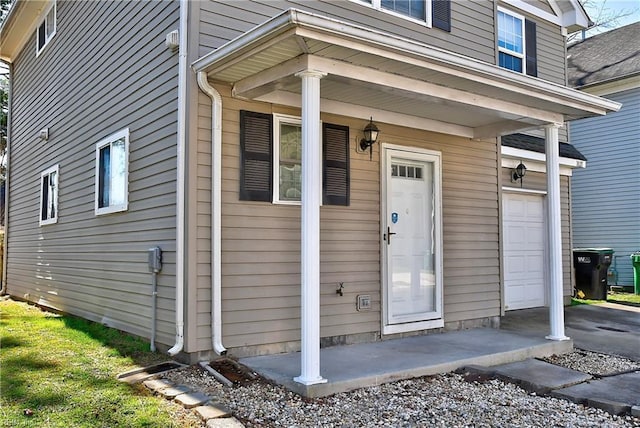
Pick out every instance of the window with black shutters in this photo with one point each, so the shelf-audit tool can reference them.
(271, 163)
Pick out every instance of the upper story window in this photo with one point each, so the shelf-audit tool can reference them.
(516, 43)
(49, 196)
(112, 170)
(433, 13)
(511, 41)
(46, 29)
(413, 8)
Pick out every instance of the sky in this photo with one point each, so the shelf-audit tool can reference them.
(615, 7)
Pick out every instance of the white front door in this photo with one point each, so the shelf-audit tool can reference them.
(524, 252)
(411, 241)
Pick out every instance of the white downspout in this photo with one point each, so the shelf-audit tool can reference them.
(3, 287)
(216, 204)
(183, 69)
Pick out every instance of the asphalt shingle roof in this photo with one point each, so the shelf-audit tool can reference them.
(606, 56)
(536, 144)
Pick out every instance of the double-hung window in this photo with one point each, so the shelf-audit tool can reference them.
(434, 13)
(516, 43)
(46, 29)
(112, 169)
(49, 196)
(413, 8)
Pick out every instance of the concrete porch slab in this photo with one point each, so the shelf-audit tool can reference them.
(355, 366)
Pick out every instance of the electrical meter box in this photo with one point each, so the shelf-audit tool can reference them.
(155, 259)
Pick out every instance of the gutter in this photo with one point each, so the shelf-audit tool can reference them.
(183, 69)
(3, 286)
(216, 217)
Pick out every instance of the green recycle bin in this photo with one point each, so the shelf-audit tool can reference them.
(635, 261)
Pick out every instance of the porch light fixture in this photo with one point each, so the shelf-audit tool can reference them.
(370, 137)
(518, 172)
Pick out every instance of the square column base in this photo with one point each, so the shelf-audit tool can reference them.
(315, 381)
(557, 338)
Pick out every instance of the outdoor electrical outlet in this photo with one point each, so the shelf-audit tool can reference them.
(364, 302)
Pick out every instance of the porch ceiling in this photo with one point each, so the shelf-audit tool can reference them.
(369, 73)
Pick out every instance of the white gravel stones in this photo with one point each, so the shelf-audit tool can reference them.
(438, 401)
(593, 363)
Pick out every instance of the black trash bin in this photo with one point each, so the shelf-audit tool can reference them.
(591, 265)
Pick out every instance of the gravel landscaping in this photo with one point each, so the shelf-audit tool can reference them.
(447, 400)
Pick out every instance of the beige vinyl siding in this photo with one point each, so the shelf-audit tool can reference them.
(471, 33)
(84, 86)
(551, 52)
(261, 241)
(538, 181)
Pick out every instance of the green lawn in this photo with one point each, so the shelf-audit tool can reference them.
(62, 369)
(624, 298)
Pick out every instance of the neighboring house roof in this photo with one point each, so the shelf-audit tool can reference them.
(604, 57)
(536, 144)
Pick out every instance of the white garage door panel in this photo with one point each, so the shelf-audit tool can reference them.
(523, 251)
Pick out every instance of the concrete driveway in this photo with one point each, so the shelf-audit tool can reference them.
(607, 328)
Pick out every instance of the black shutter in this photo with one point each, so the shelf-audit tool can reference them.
(335, 164)
(256, 154)
(441, 14)
(531, 47)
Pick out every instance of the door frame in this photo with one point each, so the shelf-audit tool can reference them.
(389, 151)
(524, 192)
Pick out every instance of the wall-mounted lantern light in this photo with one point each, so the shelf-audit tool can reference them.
(44, 134)
(518, 172)
(370, 137)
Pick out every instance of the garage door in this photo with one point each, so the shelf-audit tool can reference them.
(524, 252)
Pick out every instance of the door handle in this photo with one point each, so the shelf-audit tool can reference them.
(388, 235)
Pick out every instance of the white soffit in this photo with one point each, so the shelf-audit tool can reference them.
(262, 62)
(19, 25)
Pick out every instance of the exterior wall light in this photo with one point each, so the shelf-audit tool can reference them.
(518, 172)
(371, 132)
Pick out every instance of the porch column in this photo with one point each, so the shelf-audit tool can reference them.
(310, 229)
(554, 234)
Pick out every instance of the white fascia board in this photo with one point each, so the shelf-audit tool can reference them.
(511, 157)
(575, 17)
(535, 11)
(297, 23)
(612, 86)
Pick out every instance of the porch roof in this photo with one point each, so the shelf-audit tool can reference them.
(393, 79)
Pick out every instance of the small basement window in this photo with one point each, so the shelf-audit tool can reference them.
(112, 173)
(46, 29)
(49, 196)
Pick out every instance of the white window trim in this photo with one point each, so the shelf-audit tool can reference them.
(291, 120)
(523, 55)
(102, 143)
(377, 5)
(55, 28)
(56, 187)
